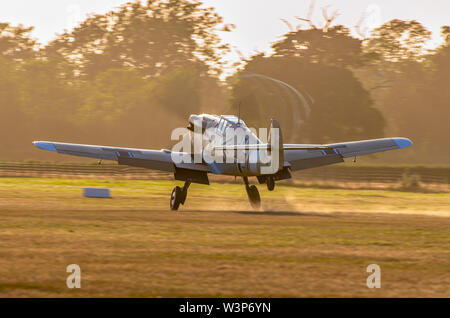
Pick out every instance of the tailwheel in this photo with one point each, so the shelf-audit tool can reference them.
(270, 183)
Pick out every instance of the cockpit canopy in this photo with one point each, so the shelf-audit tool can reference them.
(205, 121)
(227, 121)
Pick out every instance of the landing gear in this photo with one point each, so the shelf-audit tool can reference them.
(179, 196)
(253, 194)
(270, 183)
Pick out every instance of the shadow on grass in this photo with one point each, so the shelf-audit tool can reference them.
(405, 185)
(282, 213)
(258, 213)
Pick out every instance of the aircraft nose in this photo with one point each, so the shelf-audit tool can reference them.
(403, 142)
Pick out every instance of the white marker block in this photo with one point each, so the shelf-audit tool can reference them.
(96, 193)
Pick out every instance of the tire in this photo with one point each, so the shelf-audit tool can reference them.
(253, 196)
(270, 183)
(175, 198)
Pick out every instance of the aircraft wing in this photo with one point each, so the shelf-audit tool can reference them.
(150, 159)
(268, 146)
(298, 159)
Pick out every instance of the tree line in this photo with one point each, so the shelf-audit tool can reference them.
(128, 77)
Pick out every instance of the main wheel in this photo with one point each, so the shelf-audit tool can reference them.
(176, 198)
(270, 183)
(253, 196)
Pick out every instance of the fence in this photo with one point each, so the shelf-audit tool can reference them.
(378, 174)
(338, 173)
(69, 170)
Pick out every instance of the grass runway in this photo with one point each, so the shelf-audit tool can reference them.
(304, 242)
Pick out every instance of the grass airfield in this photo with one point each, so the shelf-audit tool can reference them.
(303, 242)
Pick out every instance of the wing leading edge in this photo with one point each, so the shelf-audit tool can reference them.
(334, 153)
(151, 159)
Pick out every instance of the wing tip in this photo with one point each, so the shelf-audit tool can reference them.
(403, 142)
(45, 145)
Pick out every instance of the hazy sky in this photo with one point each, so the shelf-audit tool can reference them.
(257, 22)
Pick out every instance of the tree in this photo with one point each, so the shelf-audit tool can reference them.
(16, 43)
(436, 102)
(398, 40)
(178, 92)
(321, 43)
(408, 84)
(47, 101)
(445, 31)
(112, 95)
(154, 38)
(44, 92)
(342, 109)
(9, 102)
(334, 47)
(315, 64)
(123, 107)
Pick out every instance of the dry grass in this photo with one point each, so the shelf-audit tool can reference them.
(305, 242)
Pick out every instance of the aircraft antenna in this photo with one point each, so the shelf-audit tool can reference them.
(239, 113)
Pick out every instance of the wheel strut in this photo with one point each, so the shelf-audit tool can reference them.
(245, 178)
(270, 183)
(185, 190)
